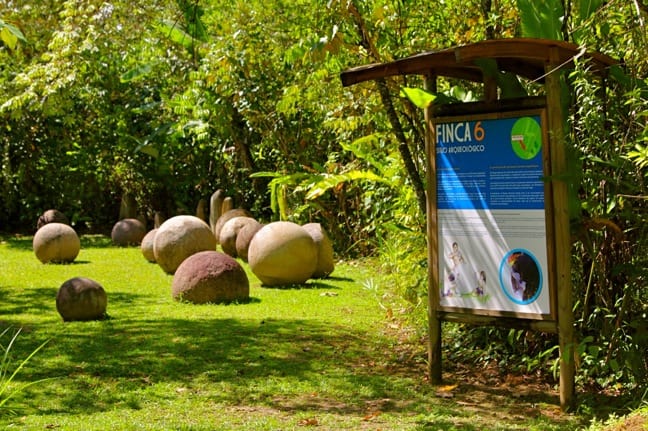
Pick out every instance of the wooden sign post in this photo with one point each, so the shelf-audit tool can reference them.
(499, 246)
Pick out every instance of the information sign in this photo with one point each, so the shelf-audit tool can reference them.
(492, 225)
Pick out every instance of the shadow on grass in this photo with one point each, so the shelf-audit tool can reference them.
(129, 355)
(25, 242)
(310, 284)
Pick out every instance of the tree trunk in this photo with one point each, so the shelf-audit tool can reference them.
(403, 148)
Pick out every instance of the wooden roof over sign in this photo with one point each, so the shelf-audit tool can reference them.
(524, 57)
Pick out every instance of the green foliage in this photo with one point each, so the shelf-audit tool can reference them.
(7, 377)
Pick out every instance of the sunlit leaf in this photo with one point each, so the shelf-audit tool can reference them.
(418, 96)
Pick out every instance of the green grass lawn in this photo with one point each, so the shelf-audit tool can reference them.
(324, 356)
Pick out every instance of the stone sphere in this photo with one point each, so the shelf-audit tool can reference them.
(178, 238)
(229, 232)
(147, 245)
(325, 261)
(81, 298)
(210, 277)
(282, 253)
(128, 231)
(244, 238)
(227, 216)
(56, 243)
(51, 216)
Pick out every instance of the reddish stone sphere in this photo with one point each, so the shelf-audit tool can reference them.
(210, 277)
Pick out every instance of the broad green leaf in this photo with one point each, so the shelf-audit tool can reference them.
(507, 82)
(418, 96)
(541, 19)
(8, 38)
(587, 7)
(177, 34)
(10, 35)
(331, 181)
(137, 72)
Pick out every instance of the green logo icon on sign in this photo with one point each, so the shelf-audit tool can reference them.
(526, 138)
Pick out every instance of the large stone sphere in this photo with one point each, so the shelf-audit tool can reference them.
(325, 261)
(81, 298)
(147, 245)
(282, 253)
(230, 231)
(128, 231)
(56, 243)
(178, 238)
(244, 238)
(210, 277)
(51, 216)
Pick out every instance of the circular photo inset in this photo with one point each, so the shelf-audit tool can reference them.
(526, 138)
(520, 276)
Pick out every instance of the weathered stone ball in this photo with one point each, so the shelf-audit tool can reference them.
(81, 298)
(178, 238)
(282, 253)
(147, 245)
(51, 216)
(210, 277)
(229, 232)
(244, 238)
(56, 243)
(227, 216)
(128, 231)
(325, 261)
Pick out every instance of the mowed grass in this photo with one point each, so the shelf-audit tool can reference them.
(322, 355)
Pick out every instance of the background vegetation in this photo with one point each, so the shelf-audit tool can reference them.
(165, 101)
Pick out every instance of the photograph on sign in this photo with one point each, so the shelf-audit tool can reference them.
(492, 231)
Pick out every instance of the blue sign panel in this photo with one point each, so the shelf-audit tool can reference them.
(490, 164)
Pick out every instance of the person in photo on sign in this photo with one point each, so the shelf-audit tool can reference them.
(454, 277)
(481, 283)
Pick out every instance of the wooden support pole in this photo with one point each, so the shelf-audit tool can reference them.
(562, 241)
(434, 322)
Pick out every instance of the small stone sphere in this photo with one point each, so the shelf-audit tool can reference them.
(147, 245)
(56, 243)
(128, 231)
(81, 298)
(227, 216)
(210, 277)
(244, 238)
(178, 238)
(51, 216)
(230, 231)
(325, 261)
(282, 253)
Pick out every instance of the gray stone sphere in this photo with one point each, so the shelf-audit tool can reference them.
(210, 277)
(282, 253)
(147, 245)
(244, 238)
(128, 231)
(230, 231)
(81, 298)
(56, 243)
(51, 216)
(325, 261)
(178, 238)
